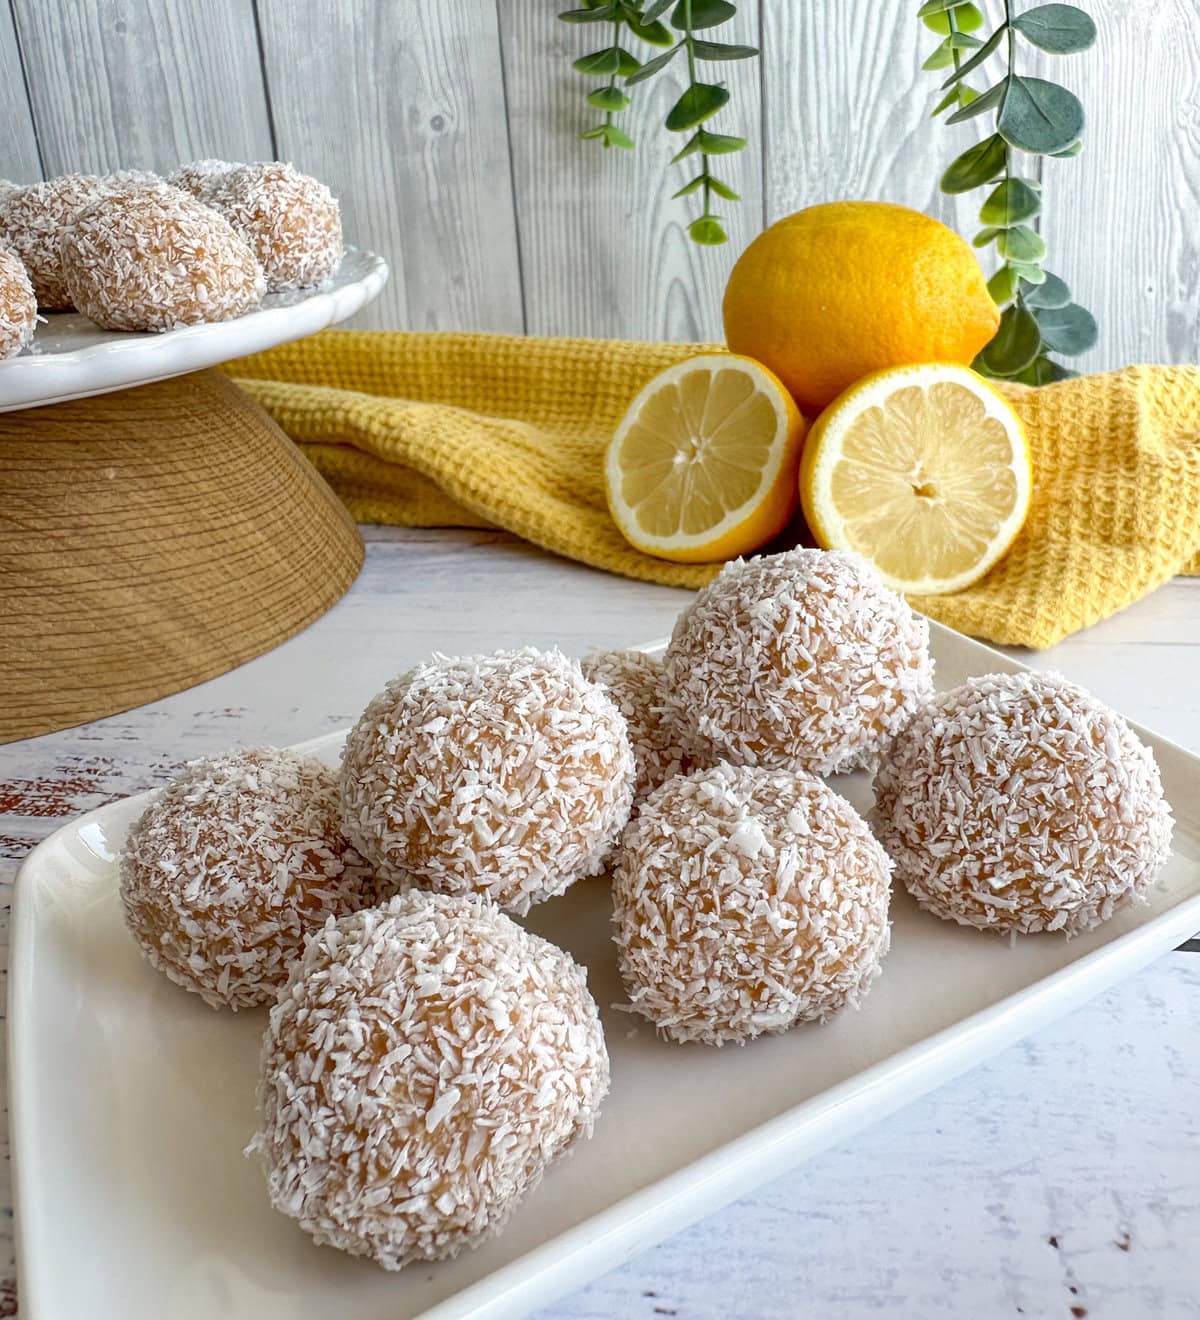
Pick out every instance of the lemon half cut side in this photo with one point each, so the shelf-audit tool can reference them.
(924, 470)
(703, 465)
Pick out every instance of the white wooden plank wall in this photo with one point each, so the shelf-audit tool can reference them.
(449, 129)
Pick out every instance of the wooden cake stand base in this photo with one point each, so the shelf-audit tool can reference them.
(151, 539)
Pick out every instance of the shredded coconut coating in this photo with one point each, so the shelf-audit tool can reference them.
(33, 219)
(746, 901)
(634, 680)
(198, 176)
(154, 259)
(506, 774)
(1020, 803)
(7, 186)
(18, 305)
(231, 866)
(424, 1065)
(803, 660)
(121, 180)
(291, 220)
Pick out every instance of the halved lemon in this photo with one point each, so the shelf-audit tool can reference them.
(924, 470)
(703, 465)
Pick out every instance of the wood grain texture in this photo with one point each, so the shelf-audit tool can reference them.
(1122, 221)
(143, 83)
(604, 249)
(399, 107)
(19, 162)
(846, 110)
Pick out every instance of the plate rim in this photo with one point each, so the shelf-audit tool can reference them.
(669, 1204)
(89, 365)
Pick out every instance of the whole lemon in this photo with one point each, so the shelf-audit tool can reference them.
(835, 292)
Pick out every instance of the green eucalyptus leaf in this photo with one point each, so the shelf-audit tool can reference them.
(707, 231)
(969, 65)
(1039, 116)
(963, 41)
(719, 50)
(942, 58)
(719, 144)
(1011, 203)
(711, 144)
(603, 61)
(1052, 292)
(951, 98)
(1071, 329)
(690, 186)
(608, 98)
(967, 18)
(1060, 29)
(627, 64)
(657, 34)
(1015, 344)
(1003, 286)
(602, 14)
(651, 67)
(699, 102)
(1030, 273)
(589, 134)
(1043, 371)
(978, 105)
(705, 14)
(1073, 150)
(1021, 243)
(723, 190)
(937, 7)
(985, 236)
(977, 165)
(656, 9)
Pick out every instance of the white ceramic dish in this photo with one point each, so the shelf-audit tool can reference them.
(73, 358)
(131, 1100)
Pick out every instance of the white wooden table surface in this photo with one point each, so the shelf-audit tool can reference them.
(1060, 1180)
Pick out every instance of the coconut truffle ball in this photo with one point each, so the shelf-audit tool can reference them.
(1020, 803)
(425, 1064)
(120, 180)
(231, 866)
(32, 221)
(801, 660)
(506, 774)
(198, 176)
(18, 305)
(291, 220)
(634, 680)
(745, 901)
(154, 259)
(7, 186)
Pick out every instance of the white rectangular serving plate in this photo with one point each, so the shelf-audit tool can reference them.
(132, 1101)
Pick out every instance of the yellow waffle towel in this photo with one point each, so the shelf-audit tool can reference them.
(446, 429)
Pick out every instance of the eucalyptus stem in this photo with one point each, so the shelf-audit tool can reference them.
(1039, 118)
(698, 102)
(690, 42)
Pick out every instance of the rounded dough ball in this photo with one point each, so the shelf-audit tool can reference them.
(18, 305)
(746, 901)
(425, 1064)
(231, 866)
(506, 774)
(154, 259)
(291, 220)
(803, 660)
(634, 680)
(198, 176)
(34, 219)
(1020, 803)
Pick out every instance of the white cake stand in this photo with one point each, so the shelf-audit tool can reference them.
(72, 358)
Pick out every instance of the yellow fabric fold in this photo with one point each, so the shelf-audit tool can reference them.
(448, 429)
